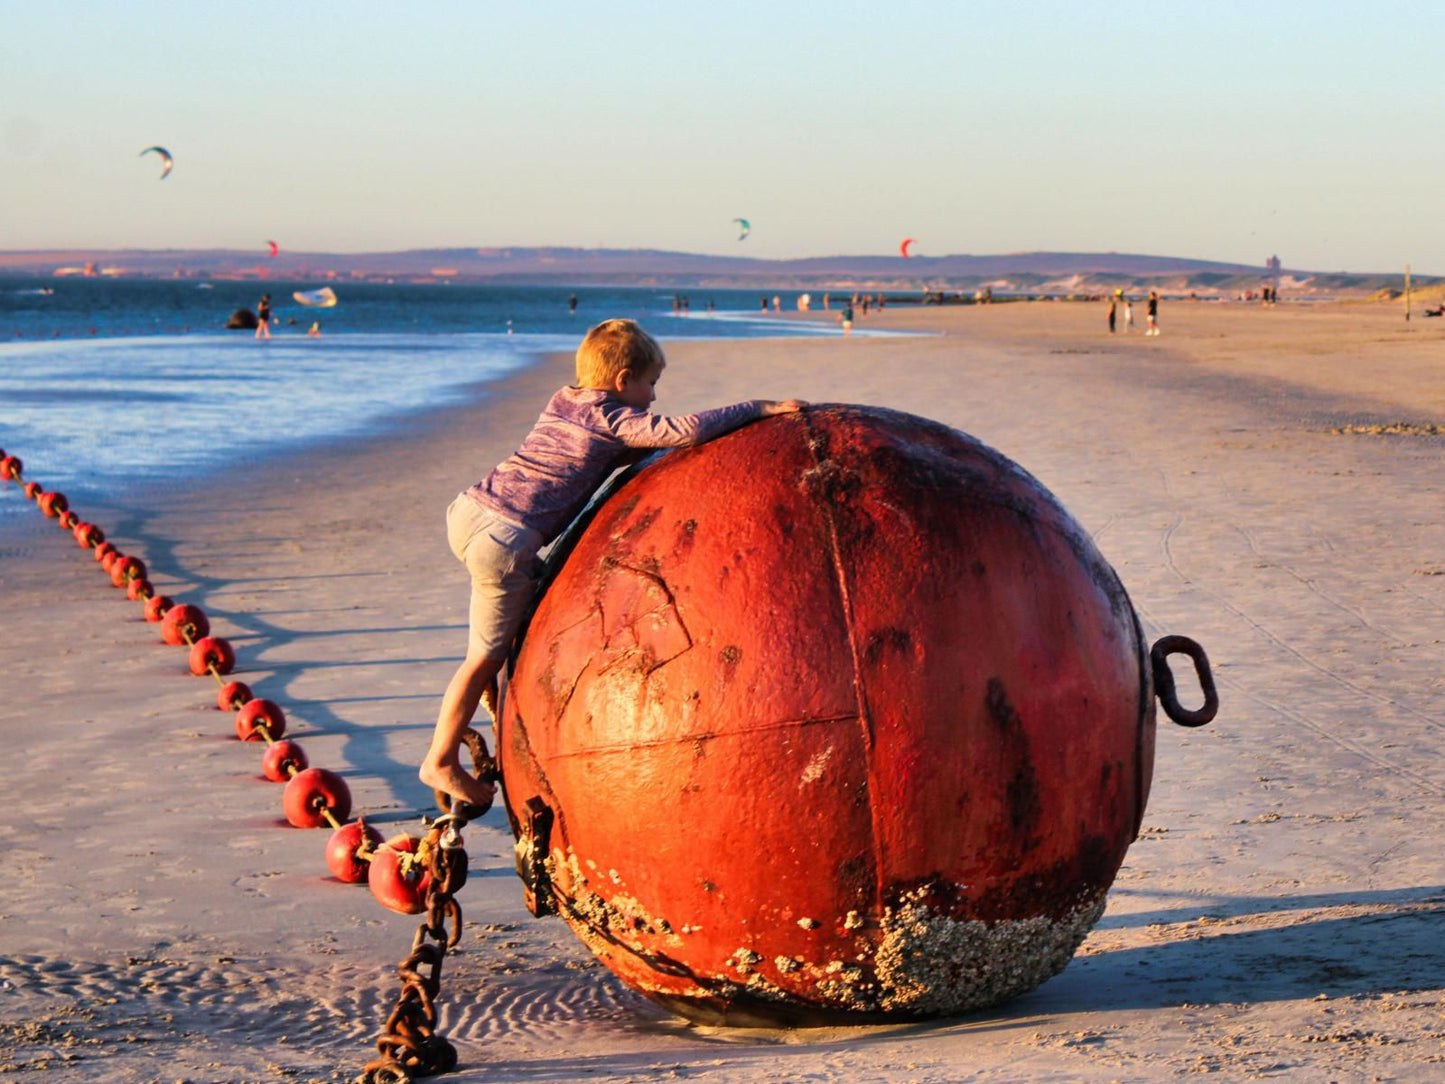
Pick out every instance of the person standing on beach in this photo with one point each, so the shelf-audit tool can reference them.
(1128, 316)
(263, 317)
(1113, 313)
(496, 527)
(1153, 313)
(847, 318)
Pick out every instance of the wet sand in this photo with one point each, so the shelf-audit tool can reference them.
(1279, 916)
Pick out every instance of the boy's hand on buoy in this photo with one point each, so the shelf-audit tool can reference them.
(787, 406)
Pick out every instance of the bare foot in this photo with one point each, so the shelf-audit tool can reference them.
(457, 783)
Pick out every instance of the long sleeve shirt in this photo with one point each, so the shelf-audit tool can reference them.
(579, 439)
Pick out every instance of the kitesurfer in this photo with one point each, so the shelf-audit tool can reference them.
(496, 527)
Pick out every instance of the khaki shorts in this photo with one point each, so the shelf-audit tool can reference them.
(502, 560)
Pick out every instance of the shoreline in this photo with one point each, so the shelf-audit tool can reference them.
(1287, 854)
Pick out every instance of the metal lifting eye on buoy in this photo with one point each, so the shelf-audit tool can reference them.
(1164, 686)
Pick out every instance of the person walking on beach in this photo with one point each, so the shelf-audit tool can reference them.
(1153, 313)
(263, 317)
(496, 527)
(847, 318)
(1113, 313)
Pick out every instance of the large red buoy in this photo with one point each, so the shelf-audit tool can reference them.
(839, 717)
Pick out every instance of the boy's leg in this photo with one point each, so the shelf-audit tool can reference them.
(499, 558)
(442, 769)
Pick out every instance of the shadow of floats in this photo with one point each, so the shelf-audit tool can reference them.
(258, 635)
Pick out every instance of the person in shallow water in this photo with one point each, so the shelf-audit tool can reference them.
(263, 317)
(496, 527)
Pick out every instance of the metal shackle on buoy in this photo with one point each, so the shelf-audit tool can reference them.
(840, 717)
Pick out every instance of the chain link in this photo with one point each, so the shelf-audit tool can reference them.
(409, 1044)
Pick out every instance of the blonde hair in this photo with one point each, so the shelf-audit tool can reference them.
(613, 347)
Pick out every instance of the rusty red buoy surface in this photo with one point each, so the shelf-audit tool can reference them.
(103, 551)
(11, 467)
(839, 717)
(88, 535)
(157, 606)
(136, 590)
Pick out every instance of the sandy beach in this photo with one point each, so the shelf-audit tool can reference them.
(1267, 481)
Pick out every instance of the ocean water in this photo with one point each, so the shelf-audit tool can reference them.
(105, 384)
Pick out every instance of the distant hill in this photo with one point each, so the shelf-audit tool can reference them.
(1021, 272)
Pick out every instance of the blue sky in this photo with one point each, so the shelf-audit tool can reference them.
(1219, 130)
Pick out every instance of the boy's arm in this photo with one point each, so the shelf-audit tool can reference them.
(643, 429)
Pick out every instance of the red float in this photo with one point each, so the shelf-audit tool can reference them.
(398, 881)
(233, 695)
(838, 717)
(182, 621)
(282, 760)
(68, 519)
(112, 556)
(33, 490)
(88, 535)
(11, 467)
(157, 606)
(52, 504)
(137, 590)
(125, 569)
(341, 850)
(212, 652)
(257, 714)
(312, 791)
(102, 551)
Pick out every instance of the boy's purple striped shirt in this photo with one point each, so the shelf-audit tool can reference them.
(581, 437)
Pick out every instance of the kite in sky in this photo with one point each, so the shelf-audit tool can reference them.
(745, 227)
(275, 249)
(903, 248)
(166, 160)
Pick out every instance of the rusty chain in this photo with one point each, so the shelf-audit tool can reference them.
(409, 1044)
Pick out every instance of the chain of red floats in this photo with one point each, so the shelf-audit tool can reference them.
(396, 870)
